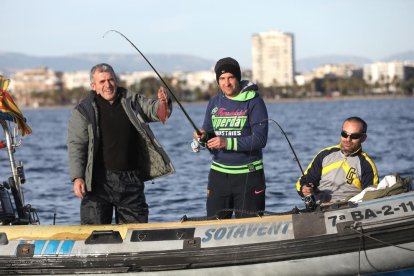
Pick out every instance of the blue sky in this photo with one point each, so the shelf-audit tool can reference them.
(209, 29)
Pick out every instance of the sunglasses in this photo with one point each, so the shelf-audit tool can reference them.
(353, 136)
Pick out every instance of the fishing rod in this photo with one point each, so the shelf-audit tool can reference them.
(290, 145)
(309, 200)
(159, 76)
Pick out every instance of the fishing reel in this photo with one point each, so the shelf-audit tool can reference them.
(197, 145)
(310, 202)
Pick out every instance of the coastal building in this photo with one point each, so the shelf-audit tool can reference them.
(193, 80)
(344, 71)
(76, 79)
(387, 75)
(81, 79)
(273, 61)
(131, 78)
(37, 80)
(329, 71)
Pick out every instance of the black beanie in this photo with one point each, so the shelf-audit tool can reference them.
(227, 65)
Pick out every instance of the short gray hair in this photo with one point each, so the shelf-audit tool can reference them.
(101, 67)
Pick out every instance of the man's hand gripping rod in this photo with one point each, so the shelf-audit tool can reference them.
(159, 76)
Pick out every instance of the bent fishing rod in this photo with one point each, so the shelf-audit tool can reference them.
(290, 145)
(159, 76)
(309, 200)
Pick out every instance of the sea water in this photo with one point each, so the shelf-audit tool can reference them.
(309, 125)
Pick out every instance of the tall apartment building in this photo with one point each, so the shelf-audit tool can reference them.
(273, 58)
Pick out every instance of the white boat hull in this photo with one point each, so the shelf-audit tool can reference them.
(372, 237)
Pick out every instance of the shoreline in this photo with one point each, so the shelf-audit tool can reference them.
(340, 98)
(325, 99)
(269, 100)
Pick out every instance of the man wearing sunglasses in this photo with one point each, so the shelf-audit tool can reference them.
(338, 172)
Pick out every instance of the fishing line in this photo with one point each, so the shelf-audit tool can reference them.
(247, 175)
(290, 145)
(309, 200)
(159, 76)
(235, 211)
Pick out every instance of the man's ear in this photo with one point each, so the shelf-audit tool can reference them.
(364, 138)
(92, 86)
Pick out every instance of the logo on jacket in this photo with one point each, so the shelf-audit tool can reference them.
(225, 121)
(350, 175)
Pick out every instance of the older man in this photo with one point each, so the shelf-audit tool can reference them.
(112, 151)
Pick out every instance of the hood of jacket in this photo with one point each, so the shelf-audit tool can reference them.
(248, 91)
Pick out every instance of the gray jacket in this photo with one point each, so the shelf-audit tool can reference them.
(83, 137)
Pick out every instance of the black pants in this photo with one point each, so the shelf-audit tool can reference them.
(121, 190)
(235, 191)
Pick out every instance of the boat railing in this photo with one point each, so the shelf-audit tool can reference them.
(15, 181)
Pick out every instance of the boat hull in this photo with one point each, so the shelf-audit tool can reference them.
(375, 236)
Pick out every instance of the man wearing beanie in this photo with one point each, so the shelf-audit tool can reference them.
(235, 130)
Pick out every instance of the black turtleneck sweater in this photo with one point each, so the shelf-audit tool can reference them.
(118, 147)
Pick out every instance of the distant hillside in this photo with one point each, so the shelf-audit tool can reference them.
(307, 64)
(164, 63)
(409, 56)
(10, 62)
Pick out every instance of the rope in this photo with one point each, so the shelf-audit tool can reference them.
(378, 240)
(361, 239)
(361, 245)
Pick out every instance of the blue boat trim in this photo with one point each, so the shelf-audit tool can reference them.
(66, 247)
(52, 247)
(39, 244)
